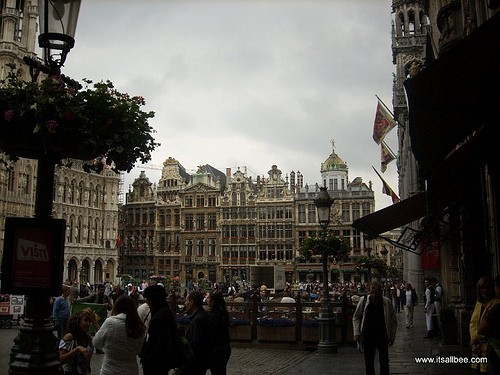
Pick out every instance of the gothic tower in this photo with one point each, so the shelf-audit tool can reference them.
(409, 35)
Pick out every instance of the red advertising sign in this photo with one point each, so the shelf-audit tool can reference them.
(33, 255)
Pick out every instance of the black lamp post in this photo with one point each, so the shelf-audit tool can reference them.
(323, 203)
(35, 349)
(368, 249)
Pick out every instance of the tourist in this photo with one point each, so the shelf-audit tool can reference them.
(374, 327)
(221, 348)
(121, 337)
(61, 310)
(75, 348)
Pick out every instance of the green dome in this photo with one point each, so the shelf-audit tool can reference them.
(333, 163)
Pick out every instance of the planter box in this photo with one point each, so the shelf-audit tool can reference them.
(240, 333)
(310, 334)
(276, 334)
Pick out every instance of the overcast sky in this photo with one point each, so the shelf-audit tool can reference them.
(248, 83)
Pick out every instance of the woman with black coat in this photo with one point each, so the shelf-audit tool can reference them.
(221, 340)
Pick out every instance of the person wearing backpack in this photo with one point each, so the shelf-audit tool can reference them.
(161, 350)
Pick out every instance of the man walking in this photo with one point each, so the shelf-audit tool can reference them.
(410, 299)
(61, 310)
(375, 324)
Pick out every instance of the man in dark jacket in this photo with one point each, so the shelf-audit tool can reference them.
(199, 335)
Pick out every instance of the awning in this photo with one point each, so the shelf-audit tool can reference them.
(394, 216)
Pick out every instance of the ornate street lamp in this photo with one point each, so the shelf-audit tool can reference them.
(58, 19)
(323, 203)
(35, 349)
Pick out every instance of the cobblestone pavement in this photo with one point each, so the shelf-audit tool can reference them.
(263, 359)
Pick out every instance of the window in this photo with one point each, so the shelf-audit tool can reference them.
(234, 252)
(336, 184)
(280, 253)
(212, 201)
(188, 201)
(271, 232)
(189, 247)
(346, 216)
(212, 221)
(251, 231)
(251, 252)
(330, 184)
(201, 248)
(212, 245)
(234, 231)
(189, 222)
(366, 208)
(243, 200)
(234, 198)
(302, 213)
(356, 214)
(200, 201)
(200, 222)
(311, 213)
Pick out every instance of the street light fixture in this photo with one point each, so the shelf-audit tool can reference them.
(35, 349)
(326, 319)
(58, 19)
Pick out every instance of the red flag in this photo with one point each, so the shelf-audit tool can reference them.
(386, 156)
(387, 190)
(118, 242)
(383, 124)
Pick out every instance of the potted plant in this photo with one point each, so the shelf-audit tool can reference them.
(275, 329)
(239, 327)
(58, 118)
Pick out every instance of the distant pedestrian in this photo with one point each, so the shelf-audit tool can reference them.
(429, 308)
(199, 334)
(374, 326)
(410, 300)
(121, 337)
(221, 342)
(61, 309)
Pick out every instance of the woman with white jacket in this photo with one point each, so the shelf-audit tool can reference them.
(121, 337)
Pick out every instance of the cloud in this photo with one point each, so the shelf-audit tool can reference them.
(248, 82)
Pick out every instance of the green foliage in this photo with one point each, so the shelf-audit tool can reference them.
(62, 119)
(325, 243)
(373, 263)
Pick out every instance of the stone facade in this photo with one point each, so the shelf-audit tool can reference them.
(216, 226)
(87, 201)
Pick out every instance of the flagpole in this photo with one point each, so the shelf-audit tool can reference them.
(388, 110)
(392, 152)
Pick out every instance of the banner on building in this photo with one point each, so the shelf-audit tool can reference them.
(384, 123)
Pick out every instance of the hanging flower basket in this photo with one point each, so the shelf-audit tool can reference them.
(61, 119)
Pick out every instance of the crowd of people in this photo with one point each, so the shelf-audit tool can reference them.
(141, 324)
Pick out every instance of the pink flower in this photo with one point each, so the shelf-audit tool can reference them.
(51, 125)
(8, 115)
